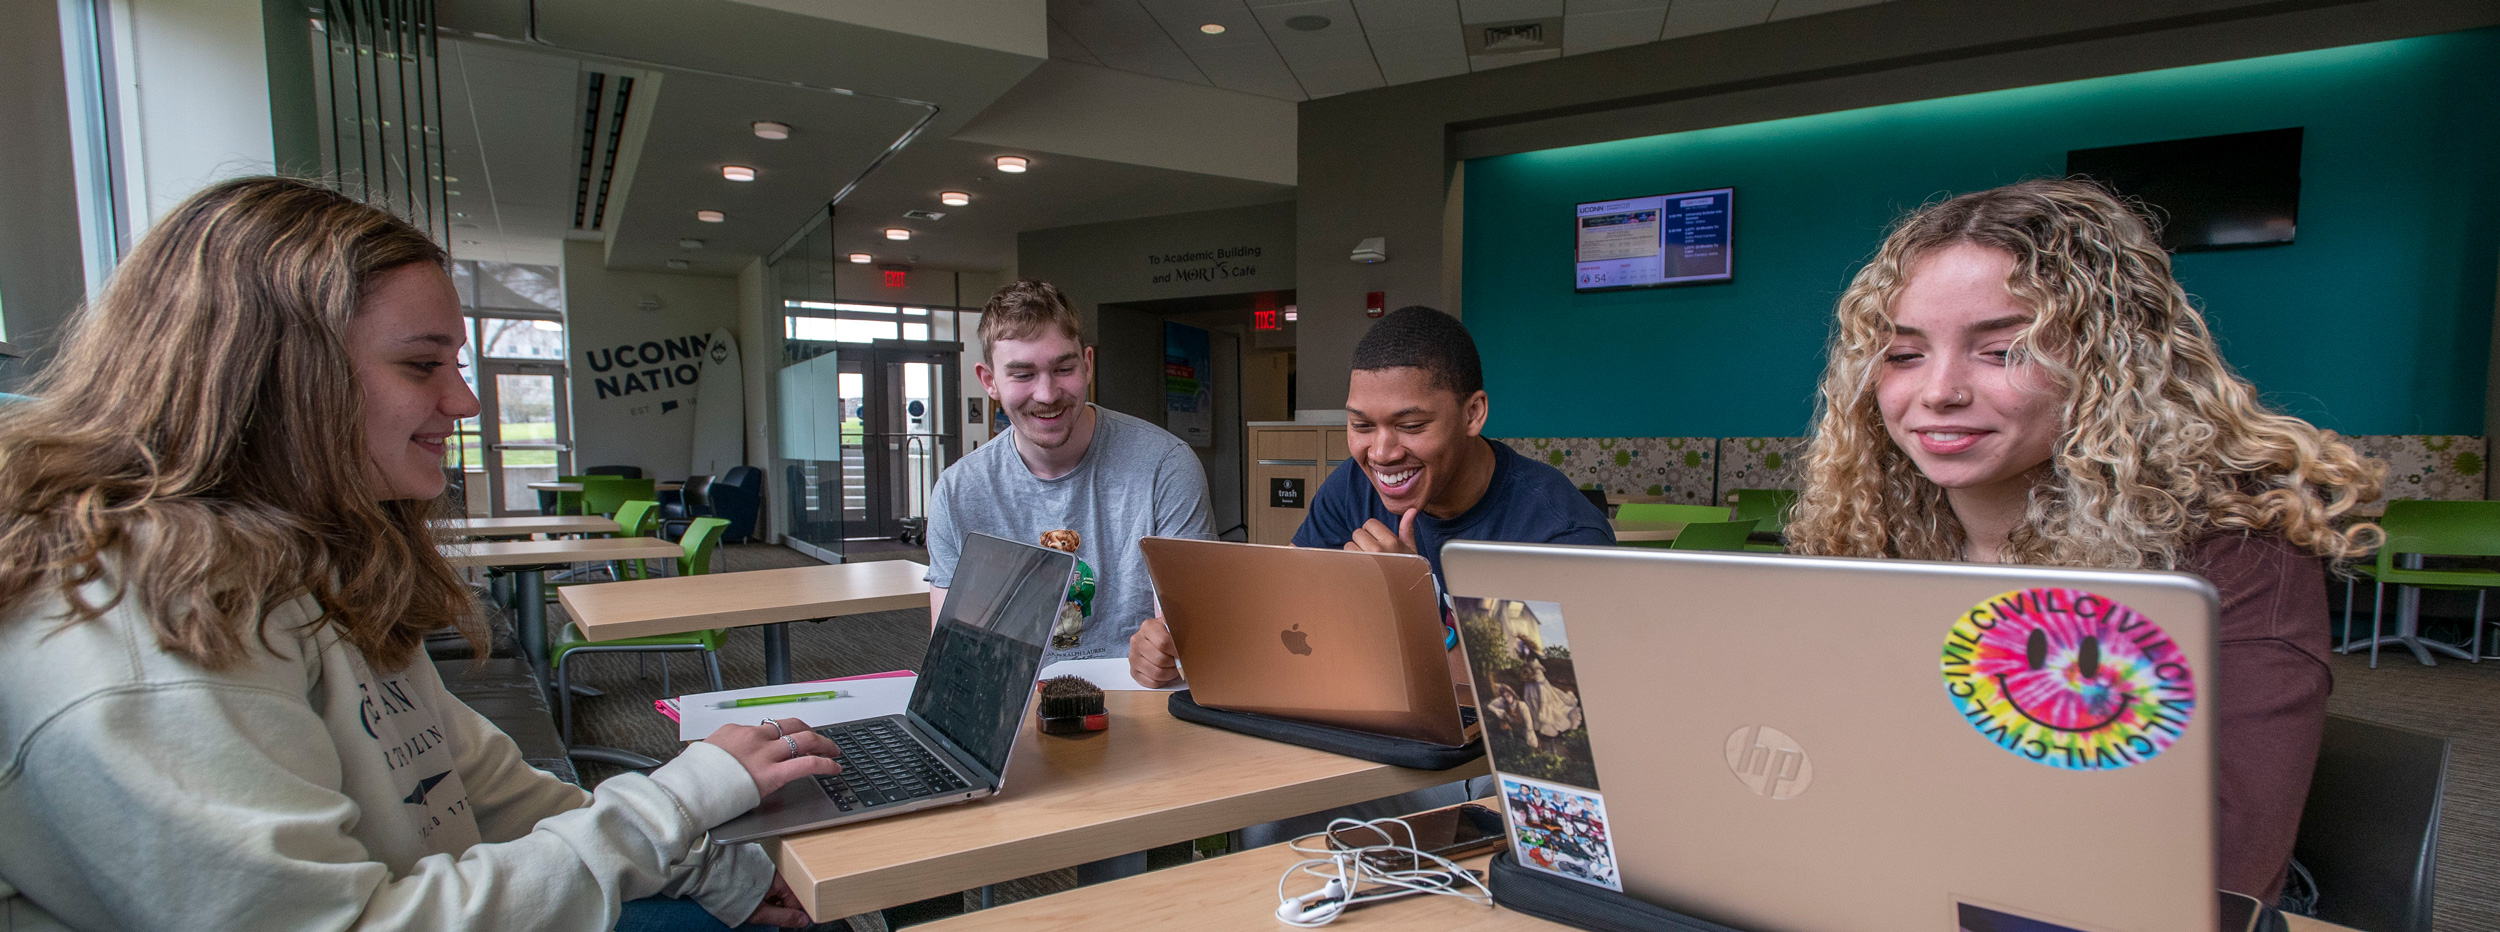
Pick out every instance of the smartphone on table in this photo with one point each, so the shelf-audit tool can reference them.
(1452, 833)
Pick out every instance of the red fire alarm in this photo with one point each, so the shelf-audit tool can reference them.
(894, 278)
(1375, 303)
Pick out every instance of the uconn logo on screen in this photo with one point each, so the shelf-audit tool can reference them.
(1769, 762)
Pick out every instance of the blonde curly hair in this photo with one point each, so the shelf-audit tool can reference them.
(2160, 443)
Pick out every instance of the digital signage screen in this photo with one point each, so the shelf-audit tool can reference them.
(1646, 242)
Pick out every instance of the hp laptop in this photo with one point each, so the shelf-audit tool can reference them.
(1336, 637)
(1783, 744)
(952, 742)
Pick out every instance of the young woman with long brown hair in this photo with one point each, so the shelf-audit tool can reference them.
(2017, 378)
(215, 578)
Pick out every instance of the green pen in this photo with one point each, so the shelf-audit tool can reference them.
(777, 700)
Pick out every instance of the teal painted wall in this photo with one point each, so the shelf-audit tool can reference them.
(2376, 321)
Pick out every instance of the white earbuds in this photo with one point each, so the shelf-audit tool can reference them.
(1350, 870)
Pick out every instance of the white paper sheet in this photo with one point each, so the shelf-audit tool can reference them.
(700, 714)
(1106, 672)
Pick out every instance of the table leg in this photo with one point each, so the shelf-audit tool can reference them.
(777, 654)
(531, 617)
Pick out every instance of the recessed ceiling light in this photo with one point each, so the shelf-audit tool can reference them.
(1212, 29)
(862, 258)
(678, 264)
(690, 243)
(767, 129)
(451, 179)
(1011, 164)
(710, 216)
(954, 198)
(737, 173)
(1307, 23)
(897, 233)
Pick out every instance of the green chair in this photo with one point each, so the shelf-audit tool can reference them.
(702, 538)
(1713, 535)
(603, 495)
(2415, 529)
(1654, 511)
(1770, 506)
(569, 503)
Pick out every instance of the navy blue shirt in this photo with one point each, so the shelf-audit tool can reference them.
(1527, 502)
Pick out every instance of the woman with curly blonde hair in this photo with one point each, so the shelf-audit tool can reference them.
(2017, 378)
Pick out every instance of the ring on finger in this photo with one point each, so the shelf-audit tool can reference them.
(777, 732)
(794, 746)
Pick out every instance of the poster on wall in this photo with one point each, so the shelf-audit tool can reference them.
(1188, 384)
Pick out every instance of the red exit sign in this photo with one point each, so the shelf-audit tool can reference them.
(1267, 320)
(894, 278)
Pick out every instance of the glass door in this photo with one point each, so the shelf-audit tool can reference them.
(909, 427)
(532, 442)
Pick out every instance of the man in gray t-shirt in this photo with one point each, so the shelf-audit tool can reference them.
(1065, 466)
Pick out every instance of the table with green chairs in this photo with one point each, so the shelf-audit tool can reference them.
(2416, 529)
(1769, 506)
(1656, 524)
(698, 545)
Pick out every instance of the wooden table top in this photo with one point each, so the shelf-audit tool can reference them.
(1150, 780)
(523, 525)
(1646, 530)
(1237, 893)
(643, 607)
(577, 550)
(556, 486)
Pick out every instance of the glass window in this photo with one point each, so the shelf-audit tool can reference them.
(511, 338)
(840, 330)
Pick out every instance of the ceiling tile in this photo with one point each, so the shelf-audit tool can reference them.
(1693, 17)
(1340, 15)
(1250, 69)
(1594, 31)
(1419, 55)
(1181, 19)
(1063, 45)
(1323, 82)
(1502, 11)
(1791, 9)
(1110, 27)
(1578, 7)
(1381, 16)
(1167, 62)
(1507, 59)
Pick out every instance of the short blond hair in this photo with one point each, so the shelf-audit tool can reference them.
(1025, 308)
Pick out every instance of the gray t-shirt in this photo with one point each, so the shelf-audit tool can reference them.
(1136, 480)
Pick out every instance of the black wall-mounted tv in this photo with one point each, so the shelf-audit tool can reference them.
(2211, 192)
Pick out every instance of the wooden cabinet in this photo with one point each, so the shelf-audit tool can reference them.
(1287, 464)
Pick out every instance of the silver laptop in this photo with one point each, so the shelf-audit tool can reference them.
(1339, 637)
(952, 742)
(1782, 744)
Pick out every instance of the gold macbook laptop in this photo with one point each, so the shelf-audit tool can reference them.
(1785, 744)
(1336, 637)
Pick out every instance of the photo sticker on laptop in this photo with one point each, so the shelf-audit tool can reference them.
(1527, 696)
(2069, 679)
(1562, 831)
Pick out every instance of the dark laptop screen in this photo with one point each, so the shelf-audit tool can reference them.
(978, 676)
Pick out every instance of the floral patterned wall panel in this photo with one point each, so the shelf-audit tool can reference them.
(2445, 467)
(1682, 470)
(1760, 463)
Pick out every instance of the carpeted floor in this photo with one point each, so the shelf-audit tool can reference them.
(2455, 700)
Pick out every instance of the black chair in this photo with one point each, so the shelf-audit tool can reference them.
(1597, 497)
(738, 495)
(2370, 832)
(679, 508)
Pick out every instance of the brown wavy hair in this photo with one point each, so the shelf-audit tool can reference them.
(198, 442)
(2160, 441)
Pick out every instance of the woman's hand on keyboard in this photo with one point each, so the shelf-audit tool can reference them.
(769, 758)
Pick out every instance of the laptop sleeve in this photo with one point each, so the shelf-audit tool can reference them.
(1379, 749)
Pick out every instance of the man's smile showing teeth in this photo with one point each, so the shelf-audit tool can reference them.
(1394, 480)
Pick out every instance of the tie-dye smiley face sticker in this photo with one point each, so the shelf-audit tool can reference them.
(2069, 679)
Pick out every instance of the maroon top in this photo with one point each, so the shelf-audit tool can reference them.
(2271, 699)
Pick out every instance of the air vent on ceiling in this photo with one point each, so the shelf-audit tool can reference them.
(924, 215)
(605, 99)
(1532, 35)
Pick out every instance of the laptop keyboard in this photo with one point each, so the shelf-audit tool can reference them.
(881, 763)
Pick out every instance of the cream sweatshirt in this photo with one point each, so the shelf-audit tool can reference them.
(302, 789)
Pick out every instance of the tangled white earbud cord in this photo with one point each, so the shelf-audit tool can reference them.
(1345, 885)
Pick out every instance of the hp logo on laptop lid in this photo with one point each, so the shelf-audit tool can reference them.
(1769, 762)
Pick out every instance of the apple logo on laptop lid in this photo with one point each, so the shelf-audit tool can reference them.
(1296, 640)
